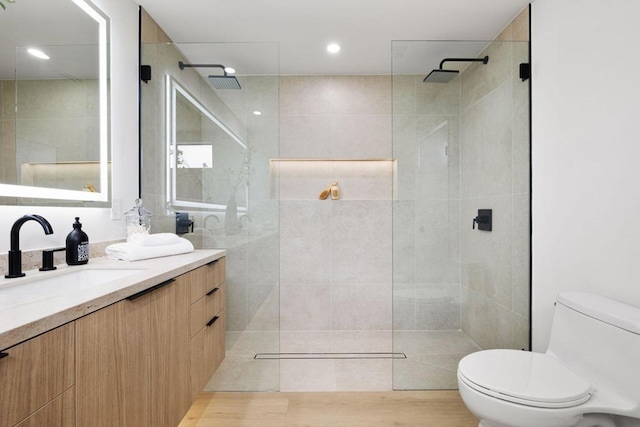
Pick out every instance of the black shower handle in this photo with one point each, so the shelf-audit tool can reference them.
(484, 220)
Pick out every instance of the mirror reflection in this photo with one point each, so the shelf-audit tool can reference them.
(207, 163)
(54, 114)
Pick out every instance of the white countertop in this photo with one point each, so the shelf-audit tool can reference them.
(24, 316)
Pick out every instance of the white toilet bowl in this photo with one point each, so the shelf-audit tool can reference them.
(518, 388)
(588, 372)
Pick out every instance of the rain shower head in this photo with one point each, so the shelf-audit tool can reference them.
(445, 76)
(219, 82)
(225, 82)
(441, 76)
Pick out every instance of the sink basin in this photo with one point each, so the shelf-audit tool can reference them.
(66, 281)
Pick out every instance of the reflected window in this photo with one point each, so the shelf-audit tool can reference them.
(195, 156)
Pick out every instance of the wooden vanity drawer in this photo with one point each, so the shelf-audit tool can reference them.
(60, 412)
(203, 310)
(206, 278)
(207, 352)
(35, 372)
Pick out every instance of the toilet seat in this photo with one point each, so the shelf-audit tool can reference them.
(523, 377)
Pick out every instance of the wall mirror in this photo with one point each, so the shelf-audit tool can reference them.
(207, 164)
(54, 77)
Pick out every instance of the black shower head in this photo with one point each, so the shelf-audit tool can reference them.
(441, 76)
(219, 82)
(225, 82)
(445, 76)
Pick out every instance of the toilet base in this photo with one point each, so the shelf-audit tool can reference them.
(487, 409)
(596, 420)
(589, 420)
(490, 424)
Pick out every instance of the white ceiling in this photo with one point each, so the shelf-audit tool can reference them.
(275, 36)
(301, 29)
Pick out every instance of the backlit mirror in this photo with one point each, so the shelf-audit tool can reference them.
(54, 113)
(207, 164)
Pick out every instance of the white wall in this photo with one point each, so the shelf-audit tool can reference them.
(586, 152)
(124, 135)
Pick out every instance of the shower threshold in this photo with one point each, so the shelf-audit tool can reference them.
(279, 356)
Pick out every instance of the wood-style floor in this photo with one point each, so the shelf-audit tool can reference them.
(374, 409)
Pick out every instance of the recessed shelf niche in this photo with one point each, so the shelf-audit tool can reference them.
(358, 179)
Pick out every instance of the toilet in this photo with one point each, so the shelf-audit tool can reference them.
(590, 371)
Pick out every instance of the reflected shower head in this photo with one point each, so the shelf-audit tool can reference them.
(219, 82)
(445, 76)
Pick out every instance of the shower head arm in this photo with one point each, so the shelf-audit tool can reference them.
(182, 66)
(484, 60)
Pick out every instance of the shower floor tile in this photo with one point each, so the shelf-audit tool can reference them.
(431, 363)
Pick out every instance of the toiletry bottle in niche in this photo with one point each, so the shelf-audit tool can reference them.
(77, 245)
(335, 191)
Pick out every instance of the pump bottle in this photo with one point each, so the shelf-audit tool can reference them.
(77, 245)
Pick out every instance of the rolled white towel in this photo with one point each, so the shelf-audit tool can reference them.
(134, 252)
(157, 239)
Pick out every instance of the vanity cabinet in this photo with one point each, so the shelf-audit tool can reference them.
(207, 323)
(113, 365)
(37, 380)
(170, 358)
(136, 359)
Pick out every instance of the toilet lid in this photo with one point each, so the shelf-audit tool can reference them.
(523, 377)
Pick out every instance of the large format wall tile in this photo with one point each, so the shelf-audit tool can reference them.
(305, 242)
(361, 306)
(356, 136)
(303, 95)
(404, 94)
(361, 242)
(486, 145)
(305, 137)
(355, 95)
(486, 264)
(495, 158)
(438, 307)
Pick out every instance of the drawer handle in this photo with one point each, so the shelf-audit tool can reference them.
(212, 321)
(151, 289)
(212, 291)
(3, 355)
(213, 262)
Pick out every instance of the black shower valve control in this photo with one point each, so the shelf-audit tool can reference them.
(484, 220)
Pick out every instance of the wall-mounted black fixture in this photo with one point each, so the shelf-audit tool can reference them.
(445, 76)
(484, 220)
(145, 73)
(525, 71)
(219, 82)
(183, 223)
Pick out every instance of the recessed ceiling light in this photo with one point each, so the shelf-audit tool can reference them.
(257, 113)
(38, 53)
(230, 70)
(333, 48)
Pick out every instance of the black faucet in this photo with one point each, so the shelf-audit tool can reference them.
(15, 255)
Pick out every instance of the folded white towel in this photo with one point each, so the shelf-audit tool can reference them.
(157, 239)
(134, 252)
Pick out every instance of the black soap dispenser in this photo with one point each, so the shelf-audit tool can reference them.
(77, 245)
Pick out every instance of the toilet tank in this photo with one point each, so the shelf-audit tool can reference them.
(599, 339)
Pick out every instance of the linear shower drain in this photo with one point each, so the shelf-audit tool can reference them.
(277, 356)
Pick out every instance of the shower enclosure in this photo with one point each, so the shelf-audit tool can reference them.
(461, 146)
(205, 154)
(387, 286)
